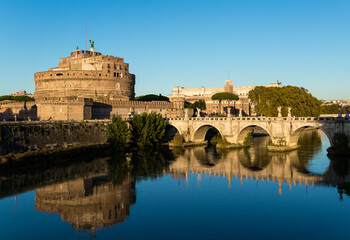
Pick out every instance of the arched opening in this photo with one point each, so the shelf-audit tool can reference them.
(205, 133)
(294, 137)
(170, 132)
(313, 143)
(249, 134)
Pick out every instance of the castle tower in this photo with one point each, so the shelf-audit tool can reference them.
(86, 74)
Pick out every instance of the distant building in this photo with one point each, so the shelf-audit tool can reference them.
(22, 93)
(194, 94)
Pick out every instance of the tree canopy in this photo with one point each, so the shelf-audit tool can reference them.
(152, 97)
(267, 99)
(118, 134)
(331, 109)
(225, 96)
(197, 104)
(17, 98)
(147, 130)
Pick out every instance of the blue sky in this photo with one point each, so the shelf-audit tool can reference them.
(188, 43)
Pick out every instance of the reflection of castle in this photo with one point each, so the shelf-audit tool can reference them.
(88, 203)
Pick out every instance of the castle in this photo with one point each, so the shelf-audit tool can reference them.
(86, 85)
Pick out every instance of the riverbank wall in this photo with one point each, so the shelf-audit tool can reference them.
(29, 135)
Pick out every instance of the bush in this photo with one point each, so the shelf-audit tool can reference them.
(223, 143)
(214, 140)
(248, 139)
(148, 130)
(118, 134)
(177, 141)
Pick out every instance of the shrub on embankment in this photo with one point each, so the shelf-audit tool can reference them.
(144, 131)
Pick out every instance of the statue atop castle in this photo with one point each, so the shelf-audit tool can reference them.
(92, 49)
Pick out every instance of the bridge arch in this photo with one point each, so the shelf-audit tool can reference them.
(200, 132)
(243, 132)
(171, 131)
(294, 137)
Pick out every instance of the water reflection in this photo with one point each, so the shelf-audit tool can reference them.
(88, 203)
(99, 193)
(289, 168)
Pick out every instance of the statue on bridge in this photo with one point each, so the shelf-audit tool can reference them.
(339, 111)
(198, 112)
(279, 109)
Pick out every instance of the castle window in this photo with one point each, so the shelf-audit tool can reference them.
(100, 74)
(115, 74)
(109, 66)
(86, 74)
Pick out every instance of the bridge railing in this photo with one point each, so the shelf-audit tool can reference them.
(303, 119)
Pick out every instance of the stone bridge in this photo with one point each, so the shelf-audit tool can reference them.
(283, 131)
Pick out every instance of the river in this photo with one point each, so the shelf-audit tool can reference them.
(198, 193)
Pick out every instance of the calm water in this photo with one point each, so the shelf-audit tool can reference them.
(199, 193)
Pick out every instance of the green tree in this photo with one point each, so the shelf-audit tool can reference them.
(267, 99)
(197, 104)
(118, 134)
(332, 109)
(17, 98)
(224, 96)
(148, 130)
(152, 97)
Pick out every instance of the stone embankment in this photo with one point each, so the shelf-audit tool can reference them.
(29, 135)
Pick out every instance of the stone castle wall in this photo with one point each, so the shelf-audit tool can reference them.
(23, 135)
(68, 108)
(12, 110)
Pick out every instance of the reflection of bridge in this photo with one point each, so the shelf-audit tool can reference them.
(282, 130)
(280, 167)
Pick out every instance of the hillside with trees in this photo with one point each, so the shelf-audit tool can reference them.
(266, 100)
